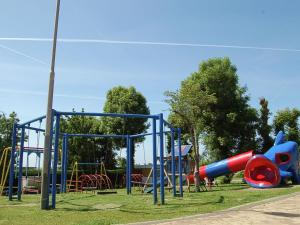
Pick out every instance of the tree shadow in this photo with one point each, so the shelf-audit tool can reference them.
(282, 214)
(75, 198)
(221, 199)
(90, 209)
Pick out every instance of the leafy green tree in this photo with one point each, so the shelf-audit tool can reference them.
(187, 106)
(264, 129)
(211, 104)
(6, 126)
(230, 122)
(125, 100)
(83, 149)
(287, 120)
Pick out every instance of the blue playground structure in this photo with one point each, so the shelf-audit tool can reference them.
(275, 166)
(56, 135)
(261, 171)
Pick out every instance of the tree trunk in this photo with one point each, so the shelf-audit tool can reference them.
(132, 155)
(197, 159)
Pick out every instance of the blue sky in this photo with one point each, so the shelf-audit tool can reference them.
(85, 71)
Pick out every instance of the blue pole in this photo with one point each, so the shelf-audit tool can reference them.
(65, 175)
(62, 180)
(107, 114)
(32, 121)
(180, 163)
(55, 161)
(173, 162)
(162, 174)
(154, 162)
(127, 164)
(21, 163)
(12, 162)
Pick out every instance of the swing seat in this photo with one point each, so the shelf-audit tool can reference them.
(30, 190)
(86, 189)
(106, 192)
(150, 189)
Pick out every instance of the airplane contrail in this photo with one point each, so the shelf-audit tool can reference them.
(60, 95)
(39, 93)
(174, 44)
(23, 54)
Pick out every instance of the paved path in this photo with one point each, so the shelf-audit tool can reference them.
(281, 210)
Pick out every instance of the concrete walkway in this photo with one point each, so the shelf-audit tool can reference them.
(279, 210)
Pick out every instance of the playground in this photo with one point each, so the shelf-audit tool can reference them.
(82, 208)
(166, 192)
(156, 113)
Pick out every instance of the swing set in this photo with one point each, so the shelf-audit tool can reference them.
(29, 184)
(56, 135)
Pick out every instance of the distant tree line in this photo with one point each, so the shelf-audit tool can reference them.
(210, 106)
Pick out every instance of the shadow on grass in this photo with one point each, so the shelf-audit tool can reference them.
(90, 209)
(75, 198)
(224, 188)
(185, 206)
(84, 208)
(283, 186)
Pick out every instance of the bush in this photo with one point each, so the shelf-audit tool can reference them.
(226, 179)
(239, 174)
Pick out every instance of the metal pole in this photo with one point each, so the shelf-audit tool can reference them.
(21, 163)
(180, 163)
(27, 164)
(127, 165)
(66, 164)
(47, 142)
(161, 159)
(12, 162)
(62, 164)
(55, 161)
(173, 163)
(154, 162)
(63, 159)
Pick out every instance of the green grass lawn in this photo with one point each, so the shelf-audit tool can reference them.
(79, 208)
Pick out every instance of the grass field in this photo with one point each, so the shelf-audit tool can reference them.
(89, 209)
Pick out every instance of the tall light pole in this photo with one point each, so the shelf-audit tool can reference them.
(48, 141)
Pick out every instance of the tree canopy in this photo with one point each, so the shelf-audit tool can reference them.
(6, 126)
(83, 149)
(211, 103)
(264, 129)
(125, 100)
(230, 122)
(187, 106)
(287, 120)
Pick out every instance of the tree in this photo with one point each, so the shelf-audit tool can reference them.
(83, 149)
(287, 120)
(187, 106)
(212, 104)
(6, 127)
(125, 100)
(230, 122)
(264, 129)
